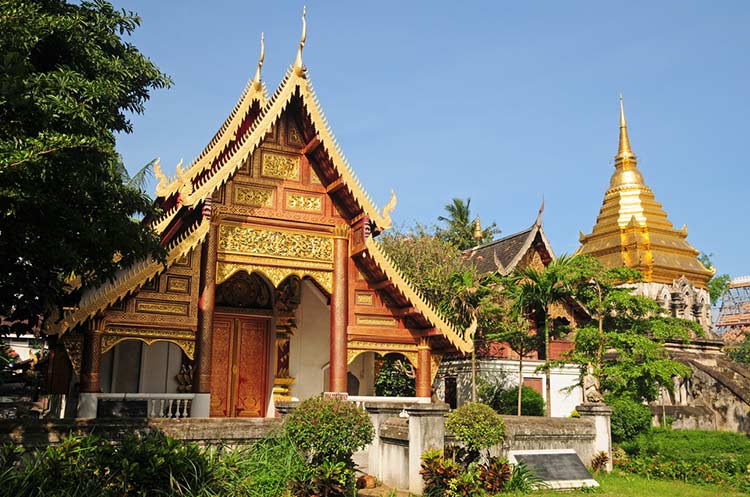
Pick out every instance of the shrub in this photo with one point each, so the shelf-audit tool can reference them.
(437, 473)
(495, 474)
(327, 479)
(692, 456)
(532, 402)
(629, 418)
(600, 460)
(478, 426)
(394, 378)
(523, 480)
(329, 429)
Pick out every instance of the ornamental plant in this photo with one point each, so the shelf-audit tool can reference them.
(329, 429)
(478, 426)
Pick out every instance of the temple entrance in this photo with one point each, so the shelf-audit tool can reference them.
(241, 347)
(239, 366)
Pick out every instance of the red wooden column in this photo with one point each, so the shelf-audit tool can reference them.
(424, 369)
(203, 340)
(91, 365)
(92, 358)
(339, 309)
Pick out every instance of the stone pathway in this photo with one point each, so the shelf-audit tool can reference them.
(381, 491)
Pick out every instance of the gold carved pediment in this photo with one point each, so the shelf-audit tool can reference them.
(275, 274)
(275, 243)
(184, 339)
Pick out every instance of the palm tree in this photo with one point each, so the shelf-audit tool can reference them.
(469, 294)
(537, 290)
(459, 229)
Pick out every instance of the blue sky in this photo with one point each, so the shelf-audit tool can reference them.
(502, 102)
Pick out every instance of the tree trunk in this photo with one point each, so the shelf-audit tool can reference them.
(547, 358)
(474, 373)
(520, 381)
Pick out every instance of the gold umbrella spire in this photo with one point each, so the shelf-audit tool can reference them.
(624, 151)
(477, 234)
(299, 67)
(256, 79)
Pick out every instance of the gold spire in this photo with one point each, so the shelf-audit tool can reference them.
(624, 151)
(256, 79)
(626, 165)
(633, 229)
(477, 235)
(299, 67)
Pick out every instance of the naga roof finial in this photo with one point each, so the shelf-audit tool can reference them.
(299, 67)
(624, 151)
(256, 79)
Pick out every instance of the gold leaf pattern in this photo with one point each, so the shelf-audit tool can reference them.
(259, 197)
(300, 202)
(275, 243)
(279, 166)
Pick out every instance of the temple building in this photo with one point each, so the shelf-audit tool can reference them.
(633, 230)
(529, 248)
(274, 286)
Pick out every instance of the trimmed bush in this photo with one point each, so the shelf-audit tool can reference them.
(478, 426)
(329, 429)
(629, 418)
(532, 402)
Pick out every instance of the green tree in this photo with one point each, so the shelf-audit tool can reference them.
(427, 261)
(396, 378)
(535, 291)
(67, 84)
(718, 285)
(513, 329)
(630, 328)
(459, 226)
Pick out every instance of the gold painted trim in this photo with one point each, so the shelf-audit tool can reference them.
(274, 243)
(126, 280)
(379, 321)
(270, 116)
(275, 274)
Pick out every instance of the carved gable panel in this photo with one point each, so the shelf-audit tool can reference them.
(168, 300)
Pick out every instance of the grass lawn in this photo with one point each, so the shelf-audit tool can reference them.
(622, 485)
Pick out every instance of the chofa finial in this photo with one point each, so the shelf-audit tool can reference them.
(256, 79)
(299, 67)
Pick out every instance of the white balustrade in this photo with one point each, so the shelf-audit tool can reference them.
(158, 405)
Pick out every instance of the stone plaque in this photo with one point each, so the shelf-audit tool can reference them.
(559, 469)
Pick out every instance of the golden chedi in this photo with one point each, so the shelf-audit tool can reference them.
(632, 230)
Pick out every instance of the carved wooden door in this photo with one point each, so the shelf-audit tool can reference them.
(239, 366)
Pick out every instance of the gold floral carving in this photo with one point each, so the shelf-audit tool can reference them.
(300, 202)
(275, 243)
(275, 274)
(161, 307)
(279, 166)
(435, 361)
(260, 197)
(184, 339)
(357, 347)
(364, 298)
(293, 135)
(383, 321)
(178, 284)
(74, 347)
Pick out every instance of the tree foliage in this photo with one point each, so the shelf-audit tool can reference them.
(67, 84)
(627, 350)
(396, 378)
(428, 262)
(718, 285)
(458, 226)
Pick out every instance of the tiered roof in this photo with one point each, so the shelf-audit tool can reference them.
(633, 230)
(238, 137)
